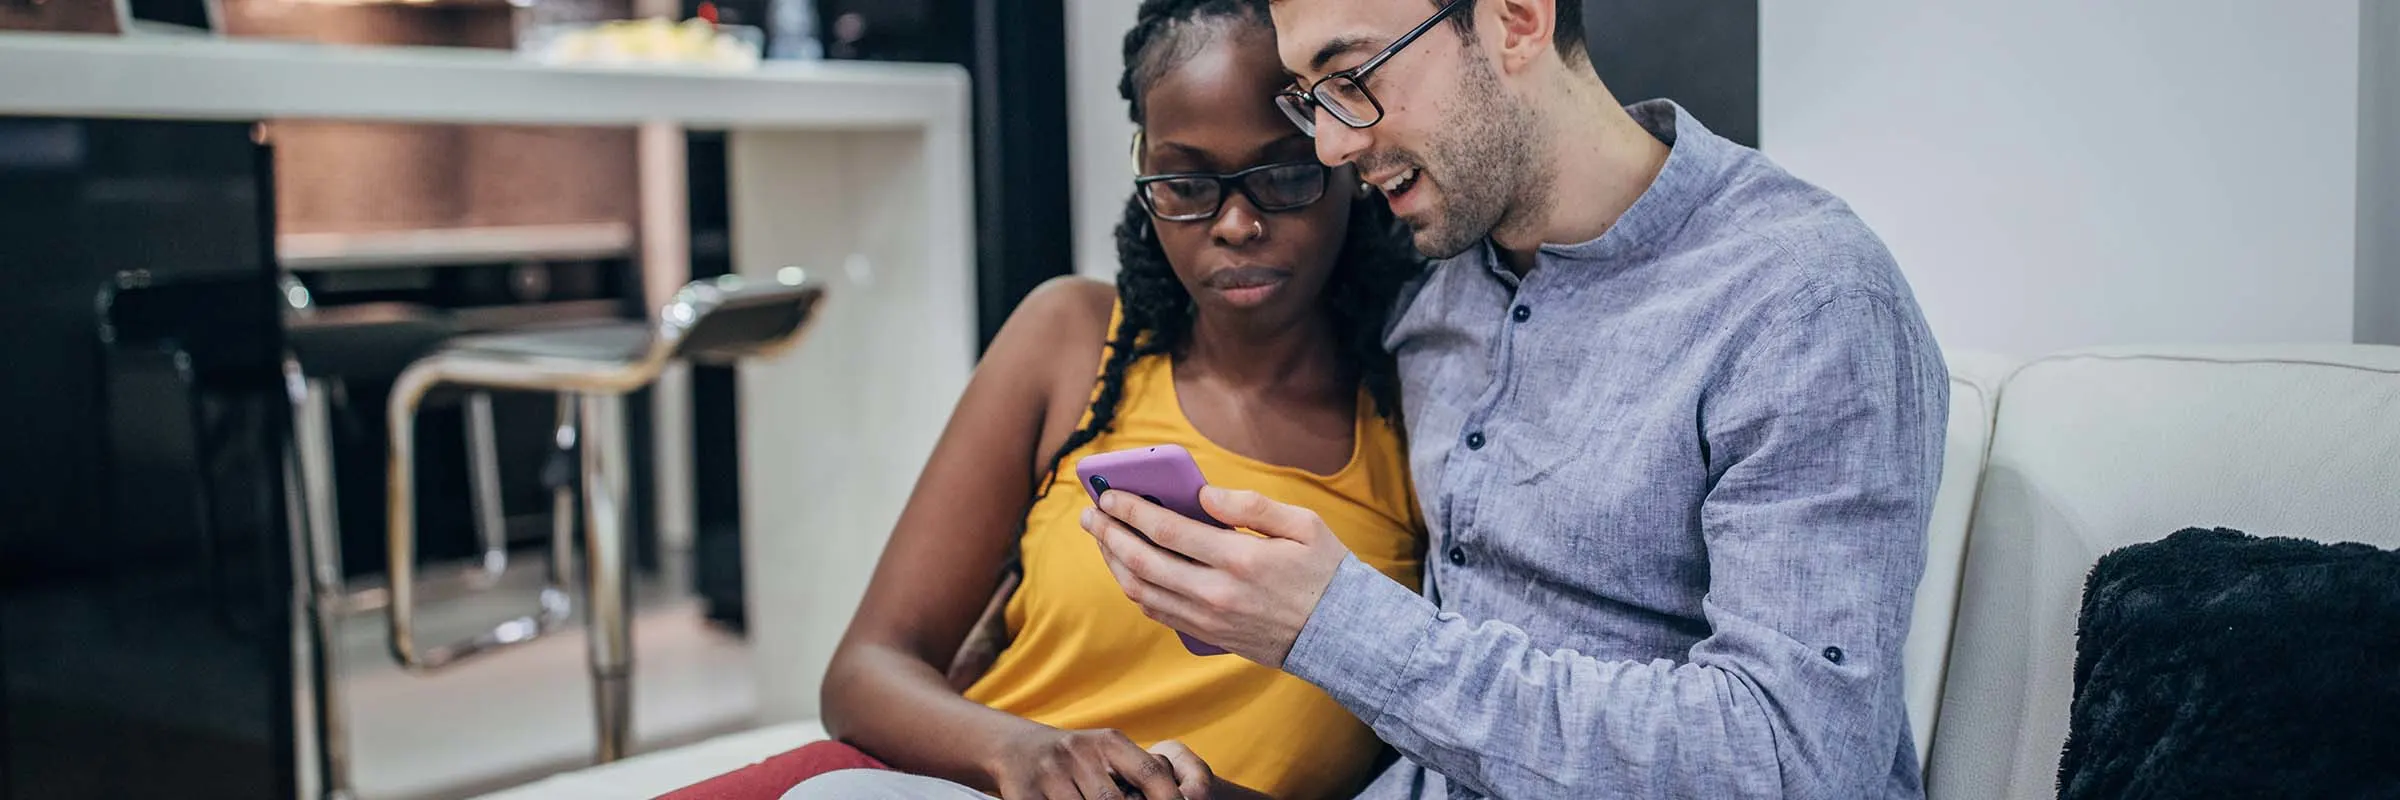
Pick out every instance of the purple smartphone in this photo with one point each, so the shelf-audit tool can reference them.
(1164, 475)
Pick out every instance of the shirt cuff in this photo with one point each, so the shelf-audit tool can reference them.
(1357, 644)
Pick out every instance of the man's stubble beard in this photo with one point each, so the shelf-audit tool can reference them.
(1486, 158)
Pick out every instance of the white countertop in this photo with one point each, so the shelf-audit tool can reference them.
(80, 75)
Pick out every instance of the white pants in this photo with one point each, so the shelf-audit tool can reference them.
(872, 784)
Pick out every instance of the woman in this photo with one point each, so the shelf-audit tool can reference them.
(1245, 326)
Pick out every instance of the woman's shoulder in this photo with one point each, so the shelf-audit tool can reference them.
(1062, 310)
(1070, 306)
(1057, 330)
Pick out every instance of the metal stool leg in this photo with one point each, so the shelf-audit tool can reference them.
(312, 429)
(400, 541)
(312, 423)
(317, 564)
(605, 474)
(562, 493)
(483, 466)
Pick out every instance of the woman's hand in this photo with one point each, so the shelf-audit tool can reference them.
(1196, 780)
(1051, 764)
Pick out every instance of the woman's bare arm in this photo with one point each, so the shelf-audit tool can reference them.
(886, 690)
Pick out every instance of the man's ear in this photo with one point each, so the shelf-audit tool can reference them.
(1521, 30)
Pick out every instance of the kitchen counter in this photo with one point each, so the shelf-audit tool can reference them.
(80, 75)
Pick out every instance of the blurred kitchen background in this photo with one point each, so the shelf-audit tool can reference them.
(146, 638)
(393, 238)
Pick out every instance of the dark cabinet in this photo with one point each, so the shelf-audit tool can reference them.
(146, 639)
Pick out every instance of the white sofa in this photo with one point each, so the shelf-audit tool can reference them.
(2100, 449)
(2051, 464)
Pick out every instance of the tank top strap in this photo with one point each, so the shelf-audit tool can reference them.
(1108, 350)
(1116, 318)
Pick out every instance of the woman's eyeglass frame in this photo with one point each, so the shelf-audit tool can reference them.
(1301, 104)
(1229, 182)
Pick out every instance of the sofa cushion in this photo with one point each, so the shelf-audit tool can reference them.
(2216, 664)
(2100, 449)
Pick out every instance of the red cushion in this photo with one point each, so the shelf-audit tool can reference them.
(769, 779)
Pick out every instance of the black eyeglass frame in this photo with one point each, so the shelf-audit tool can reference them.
(1301, 104)
(1227, 183)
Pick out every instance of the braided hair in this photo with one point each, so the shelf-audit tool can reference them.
(1375, 259)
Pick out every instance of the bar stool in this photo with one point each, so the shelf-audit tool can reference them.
(590, 368)
(329, 346)
(325, 349)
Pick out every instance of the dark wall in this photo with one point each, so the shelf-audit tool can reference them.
(1700, 53)
(1023, 233)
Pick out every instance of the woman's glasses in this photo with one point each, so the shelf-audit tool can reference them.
(1345, 93)
(1189, 196)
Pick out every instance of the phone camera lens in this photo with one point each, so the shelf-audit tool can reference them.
(1100, 484)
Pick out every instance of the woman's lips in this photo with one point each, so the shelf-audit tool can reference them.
(1246, 286)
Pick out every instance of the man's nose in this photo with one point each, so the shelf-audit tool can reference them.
(1337, 143)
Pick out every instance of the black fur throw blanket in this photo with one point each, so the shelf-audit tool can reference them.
(2216, 664)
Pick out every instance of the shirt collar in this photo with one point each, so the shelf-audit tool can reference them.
(1695, 157)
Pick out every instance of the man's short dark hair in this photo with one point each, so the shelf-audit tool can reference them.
(1567, 38)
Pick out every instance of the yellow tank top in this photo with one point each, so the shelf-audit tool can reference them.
(1083, 656)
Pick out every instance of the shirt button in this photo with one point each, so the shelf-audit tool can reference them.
(1833, 654)
(1522, 313)
(1475, 441)
(1458, 556)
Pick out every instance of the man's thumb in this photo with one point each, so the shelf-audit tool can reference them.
(1247, 509)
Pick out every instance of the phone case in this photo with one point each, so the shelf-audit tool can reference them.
(1164, 475)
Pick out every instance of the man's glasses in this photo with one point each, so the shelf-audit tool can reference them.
(1345, 93)
(1189, 196)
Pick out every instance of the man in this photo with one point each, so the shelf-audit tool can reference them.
(1676, 425)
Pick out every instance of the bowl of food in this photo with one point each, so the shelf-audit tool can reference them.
(645, 42)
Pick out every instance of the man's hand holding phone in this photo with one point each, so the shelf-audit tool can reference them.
(1247, 594)
(1164, 475)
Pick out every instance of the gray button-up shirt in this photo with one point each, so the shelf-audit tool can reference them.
(1678, 480)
